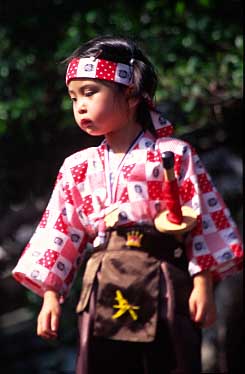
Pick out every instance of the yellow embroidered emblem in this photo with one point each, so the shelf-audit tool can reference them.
(124, 306)
(134, 239)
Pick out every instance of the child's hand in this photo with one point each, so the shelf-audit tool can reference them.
(48, 318)
(201, 302)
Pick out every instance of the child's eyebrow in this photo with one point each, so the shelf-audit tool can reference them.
(83, 87)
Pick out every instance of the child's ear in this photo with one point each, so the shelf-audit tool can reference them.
(132, 98)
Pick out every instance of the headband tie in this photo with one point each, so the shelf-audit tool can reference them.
(91, 67)
(162, 126)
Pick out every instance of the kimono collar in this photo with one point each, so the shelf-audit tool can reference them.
(162, 126)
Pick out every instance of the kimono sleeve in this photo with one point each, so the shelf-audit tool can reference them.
(214, 244)
(51, 258)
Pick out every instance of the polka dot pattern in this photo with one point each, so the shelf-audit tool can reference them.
(101, 152)
(220, 220)
(72, 70)
(177, 163)
(44, 219)
(204, 183)
(49, 258)
(52, 256)
(187, 190)
(106, 70)
(79, 172)
(124, 196)
(165, 131)
(155, 190)
(68, 195)
(87, 205)
(100, 69)
(60, 225)
(206, 261)
(126, 170)
(154, 156)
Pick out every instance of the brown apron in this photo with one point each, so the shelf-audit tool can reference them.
(128, 271)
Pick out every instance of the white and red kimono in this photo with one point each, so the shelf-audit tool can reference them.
(89, 186)
(84, 193)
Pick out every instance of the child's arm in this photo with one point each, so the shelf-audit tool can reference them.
(48, 318)
(201, 302)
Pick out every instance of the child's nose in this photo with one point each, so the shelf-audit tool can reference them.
(82, 107)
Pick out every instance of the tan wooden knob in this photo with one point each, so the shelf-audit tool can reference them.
(189, 221)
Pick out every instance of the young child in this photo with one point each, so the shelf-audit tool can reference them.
(146, 294)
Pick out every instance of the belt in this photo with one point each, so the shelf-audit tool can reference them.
(162, 246)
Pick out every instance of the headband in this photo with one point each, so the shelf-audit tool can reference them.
(91, 67)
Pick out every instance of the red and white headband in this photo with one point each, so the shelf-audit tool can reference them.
(92, 67)
(100, 69)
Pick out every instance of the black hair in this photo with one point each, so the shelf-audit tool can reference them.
(124, 50)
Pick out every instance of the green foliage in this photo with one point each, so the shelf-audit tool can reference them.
(197, 54)
(198, 57)
(196, 47)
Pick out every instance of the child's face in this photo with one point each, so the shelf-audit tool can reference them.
(97, 108)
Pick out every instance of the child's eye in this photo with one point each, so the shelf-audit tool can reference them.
(88, 92)
(73, 99)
